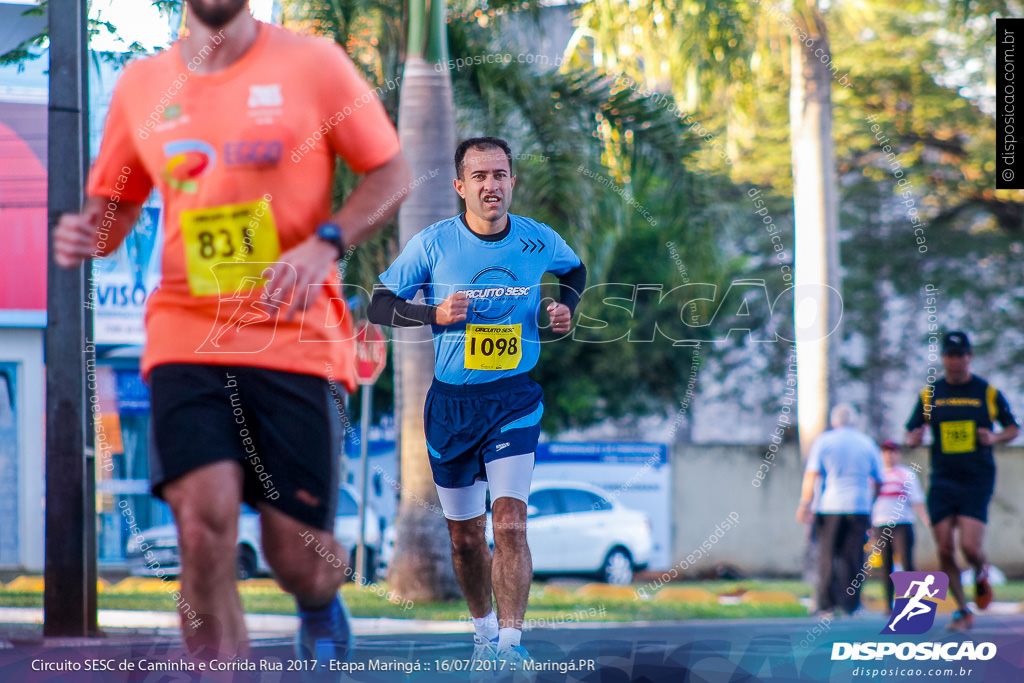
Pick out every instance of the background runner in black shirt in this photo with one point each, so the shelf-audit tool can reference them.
(961, 410)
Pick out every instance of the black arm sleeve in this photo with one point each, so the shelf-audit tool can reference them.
(571, 285)
(387, 308)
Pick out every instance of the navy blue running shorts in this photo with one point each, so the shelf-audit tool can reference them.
(469, 425)
(947, 497)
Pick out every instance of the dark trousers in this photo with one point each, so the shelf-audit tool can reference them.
(841, 539)
(899, 544)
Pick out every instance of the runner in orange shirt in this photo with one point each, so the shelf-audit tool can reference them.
(238, 126)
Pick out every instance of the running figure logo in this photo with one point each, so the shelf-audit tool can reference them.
(250, 309)
(917, 597)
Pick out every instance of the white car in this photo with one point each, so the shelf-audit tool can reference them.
(163, 541)
(577, 528)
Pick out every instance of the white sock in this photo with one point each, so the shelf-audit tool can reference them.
(486, 627)
(509, 638)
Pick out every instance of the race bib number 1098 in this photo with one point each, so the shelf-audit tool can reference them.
(493, 347)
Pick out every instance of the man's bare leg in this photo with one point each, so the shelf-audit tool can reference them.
(944, 531)
(471, 559)
(310, 564)
(205, 503)
(972, 538)
(513, 565)
(307, 562)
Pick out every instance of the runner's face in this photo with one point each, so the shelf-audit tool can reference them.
(956, 364)
(890, 457)
(486, 183)
(216, 14)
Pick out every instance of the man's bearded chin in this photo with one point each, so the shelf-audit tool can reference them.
(216, 15)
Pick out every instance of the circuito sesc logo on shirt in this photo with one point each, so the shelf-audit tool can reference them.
(495, 293)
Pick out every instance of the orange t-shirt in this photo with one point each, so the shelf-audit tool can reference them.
(244, 159)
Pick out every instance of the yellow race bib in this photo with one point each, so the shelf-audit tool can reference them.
(494, 347)
(958, 436)
(227, 247)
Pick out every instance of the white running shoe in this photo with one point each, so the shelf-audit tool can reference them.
(483, 665)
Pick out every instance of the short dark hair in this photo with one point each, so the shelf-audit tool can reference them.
(487, 142)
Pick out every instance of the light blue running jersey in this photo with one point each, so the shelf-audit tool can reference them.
(499, 337)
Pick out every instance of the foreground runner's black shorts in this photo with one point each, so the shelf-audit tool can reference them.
(947, 497)
(283, 428)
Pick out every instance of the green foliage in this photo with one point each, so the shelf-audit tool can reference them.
(30, 48)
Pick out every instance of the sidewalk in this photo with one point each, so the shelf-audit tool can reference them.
(165, 625)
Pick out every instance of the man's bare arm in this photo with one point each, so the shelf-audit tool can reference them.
(375, 200)
(96, 231)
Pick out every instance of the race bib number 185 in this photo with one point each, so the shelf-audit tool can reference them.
(493, 347)
(958, 436)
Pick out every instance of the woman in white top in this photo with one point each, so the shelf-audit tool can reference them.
(893, 513)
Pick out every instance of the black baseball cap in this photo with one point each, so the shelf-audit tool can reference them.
(956, 342)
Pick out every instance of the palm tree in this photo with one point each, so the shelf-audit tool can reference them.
(422, 568)
(375, 33)
(551, 118)
(816, 220)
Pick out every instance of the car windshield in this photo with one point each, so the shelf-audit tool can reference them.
(575, 500)
(545, 501)
(347, 505)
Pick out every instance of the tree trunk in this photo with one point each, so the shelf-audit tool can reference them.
(816, 223)
(422, 568)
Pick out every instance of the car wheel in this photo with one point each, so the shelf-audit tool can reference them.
(246, 562)
(618, 567)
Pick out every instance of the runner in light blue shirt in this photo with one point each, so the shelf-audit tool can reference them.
(501, 281)
(480, 274)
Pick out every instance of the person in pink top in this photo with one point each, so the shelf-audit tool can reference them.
(893, 514)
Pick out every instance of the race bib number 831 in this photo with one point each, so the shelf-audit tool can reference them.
(236, 242)
(493, 347)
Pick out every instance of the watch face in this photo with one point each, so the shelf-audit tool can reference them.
(328, 231)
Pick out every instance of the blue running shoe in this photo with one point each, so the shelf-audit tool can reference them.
(514, 662)
(324, 635)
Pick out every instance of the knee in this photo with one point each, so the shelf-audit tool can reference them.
(946, 553)
(468, 538)
(510, 533)
(207, 538)
(974, 553)
(310, 574)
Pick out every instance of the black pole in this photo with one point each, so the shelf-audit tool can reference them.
(69, 597)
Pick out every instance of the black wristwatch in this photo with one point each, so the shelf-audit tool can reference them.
(331, 233)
